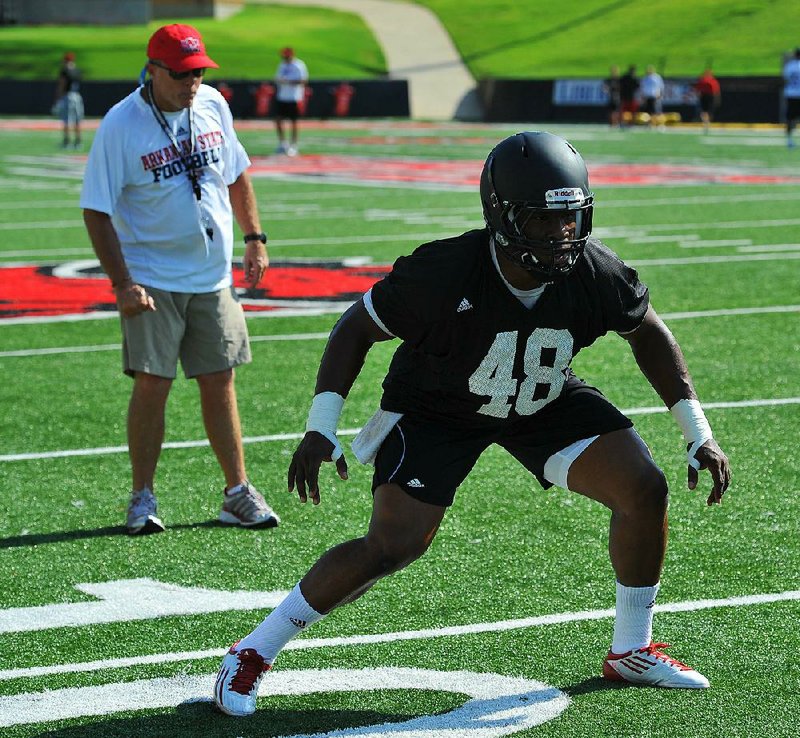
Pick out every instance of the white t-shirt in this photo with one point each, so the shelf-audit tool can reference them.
(295, 71)
(169, 240)
(791, 78)
(652, 85)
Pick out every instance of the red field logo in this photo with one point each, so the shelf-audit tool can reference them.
(81, 288)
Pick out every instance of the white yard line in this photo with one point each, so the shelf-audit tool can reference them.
(284, 207)
(404, 635)
(722, 259)
(117, 346)
(105, 450)
(316, 336)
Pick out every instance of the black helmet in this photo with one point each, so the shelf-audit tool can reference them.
(534, 172)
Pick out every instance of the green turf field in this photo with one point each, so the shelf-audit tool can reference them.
(507, 618)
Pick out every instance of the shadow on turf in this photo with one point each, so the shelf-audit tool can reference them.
(201, 719)
(593, 684)
(38, 539)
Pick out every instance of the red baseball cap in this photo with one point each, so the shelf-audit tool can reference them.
(179, 47)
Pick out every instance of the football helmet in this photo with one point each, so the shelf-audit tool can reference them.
(531, 175)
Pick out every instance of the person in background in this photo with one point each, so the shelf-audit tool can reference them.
(653, 94)
(68, 100)
(629, 91)
(708, 97)
(791, 94)
(226, 91)
(489, 322)
(612, 87)
(165, 178)
(291, 79)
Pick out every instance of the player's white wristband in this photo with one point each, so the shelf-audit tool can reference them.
(323, 417)
(690, 417)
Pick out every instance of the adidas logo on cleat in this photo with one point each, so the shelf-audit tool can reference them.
(464, 305)
(415, 483)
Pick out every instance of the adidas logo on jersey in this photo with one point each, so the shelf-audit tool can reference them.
(415, 482)
(182, 131)
(298, 623)
(464, 305)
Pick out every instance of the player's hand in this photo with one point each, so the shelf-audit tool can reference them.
(133, 299)
(710, 456)
(255, 262)
(306, 461)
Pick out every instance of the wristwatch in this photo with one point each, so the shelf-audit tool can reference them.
(256, 237)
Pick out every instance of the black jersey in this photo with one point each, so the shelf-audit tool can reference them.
(471, 351)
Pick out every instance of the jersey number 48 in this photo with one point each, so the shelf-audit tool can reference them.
(548, 352)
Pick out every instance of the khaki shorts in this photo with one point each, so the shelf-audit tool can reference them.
(206, 331)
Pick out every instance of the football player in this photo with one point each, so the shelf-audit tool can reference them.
(489, 322)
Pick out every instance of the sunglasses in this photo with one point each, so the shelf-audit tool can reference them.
(180, 75)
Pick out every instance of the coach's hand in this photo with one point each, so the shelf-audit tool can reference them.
(255, 262)
(306, 461)
(133, 299)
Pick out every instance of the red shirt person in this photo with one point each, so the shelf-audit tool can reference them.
(708, 90)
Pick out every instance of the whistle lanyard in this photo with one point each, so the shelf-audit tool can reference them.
(161, 119)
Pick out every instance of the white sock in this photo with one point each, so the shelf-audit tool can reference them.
(287, 620)
(633, 627)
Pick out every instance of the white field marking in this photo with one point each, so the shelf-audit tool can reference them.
(497, 626)
(790, 194)
(61, 350)
(287, 199)
(667, 238)
(318, 336)
(104, 450)
(725, 312)
(636, 230)
(25, 172)
(117, 346)
(498, 705)
(685, 260)
(769, 247)
(688, 241)
(777, 402)
(37, 204)
(86, 251)
(328, 308)
(339, 307)
(42, 224)
(711, 141)
(32, 185)
(288, 208)
(708, 244)
(612, 231)
(339, 180)
(125, 600)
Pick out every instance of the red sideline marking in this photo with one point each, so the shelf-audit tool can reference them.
(374, 169)
(31, 291)
(467, 173)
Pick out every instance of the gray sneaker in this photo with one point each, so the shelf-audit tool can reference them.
(142, 514)
(248, 508)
